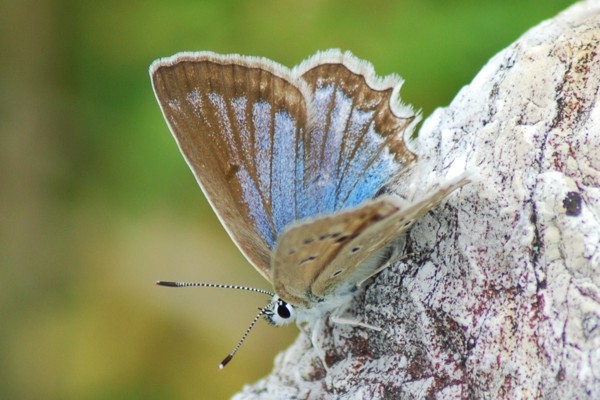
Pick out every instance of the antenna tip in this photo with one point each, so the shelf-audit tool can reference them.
(225, 361)
(165, 283)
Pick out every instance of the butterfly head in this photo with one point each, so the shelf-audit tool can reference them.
(279, 312)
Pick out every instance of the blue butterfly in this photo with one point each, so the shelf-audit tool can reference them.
(295, 163)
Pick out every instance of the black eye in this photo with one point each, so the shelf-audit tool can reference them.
(283, 311)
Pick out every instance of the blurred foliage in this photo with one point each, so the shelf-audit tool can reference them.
(96, 203)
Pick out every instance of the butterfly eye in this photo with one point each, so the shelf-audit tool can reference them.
(283, 311)
(279, 312)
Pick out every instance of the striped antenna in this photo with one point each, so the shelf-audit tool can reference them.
(243, 339)
(213, 285)
(263, 311)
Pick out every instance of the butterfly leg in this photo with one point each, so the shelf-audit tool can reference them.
(336, 318)
(312, 333)
(352, 322)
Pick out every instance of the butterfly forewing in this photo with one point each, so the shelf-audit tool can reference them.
(239, 122)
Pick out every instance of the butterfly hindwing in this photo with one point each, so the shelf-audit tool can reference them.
(307, 249)
(311, 264)
(354, 258)
(355, 144)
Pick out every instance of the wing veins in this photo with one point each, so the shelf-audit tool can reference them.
(340, 170)
(385, 144)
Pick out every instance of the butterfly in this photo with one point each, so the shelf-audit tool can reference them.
(298, 165)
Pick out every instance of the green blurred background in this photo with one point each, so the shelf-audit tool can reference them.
(96, 203)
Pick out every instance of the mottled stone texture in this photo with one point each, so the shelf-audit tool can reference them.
(501, 295)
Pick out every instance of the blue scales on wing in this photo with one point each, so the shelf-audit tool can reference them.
(270, 146)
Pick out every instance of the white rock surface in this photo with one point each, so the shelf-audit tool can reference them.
(501, 298)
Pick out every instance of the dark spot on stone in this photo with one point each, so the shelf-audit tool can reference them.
(560, 375)
(354, 250)
(333, 357)
(471, 342)
(572, 204)
(542, 284)
(590, 324)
